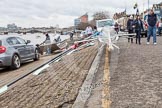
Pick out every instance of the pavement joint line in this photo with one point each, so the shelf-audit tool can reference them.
(106, 91)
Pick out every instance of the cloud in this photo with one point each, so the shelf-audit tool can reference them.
(28, 13)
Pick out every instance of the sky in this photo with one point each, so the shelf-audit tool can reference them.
(46, 13)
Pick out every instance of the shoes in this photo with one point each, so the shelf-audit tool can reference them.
(155, 43)
(148, 43)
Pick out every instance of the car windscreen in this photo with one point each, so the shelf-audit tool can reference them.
(0, 43)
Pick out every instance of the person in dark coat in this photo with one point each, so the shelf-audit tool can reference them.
(116, 27)
(138, 28)
(71, 35)
(130, 28)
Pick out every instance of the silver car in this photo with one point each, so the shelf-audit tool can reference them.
(15, 50)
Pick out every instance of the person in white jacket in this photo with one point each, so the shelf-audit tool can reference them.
(89, 30)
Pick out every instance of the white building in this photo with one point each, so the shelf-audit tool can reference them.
(12, 27)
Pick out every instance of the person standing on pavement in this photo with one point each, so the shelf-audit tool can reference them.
(130, 28)
(152, 22)
(95, 32)
(89, 30)
(48, 44)
(116, 27)
(71, 35)
(138, 28)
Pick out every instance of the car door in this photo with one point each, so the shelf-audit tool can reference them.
(29, 49)
(19, 48)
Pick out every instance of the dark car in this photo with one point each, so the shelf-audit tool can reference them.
(15, 50)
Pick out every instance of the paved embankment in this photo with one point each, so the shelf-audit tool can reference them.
(7, 75)
(58, 86)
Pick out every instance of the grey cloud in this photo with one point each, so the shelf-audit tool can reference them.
(71, 7)
(52, 9)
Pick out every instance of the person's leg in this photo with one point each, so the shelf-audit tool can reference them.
(131, 39)
(136, 36)
(149, 34)
(154, 34)
(47, 49)
(71, 38)
(129, 36)
(132, 36)
(117, 30)
(50, 49)
(139, 37)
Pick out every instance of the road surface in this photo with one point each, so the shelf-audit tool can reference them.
(7, 75)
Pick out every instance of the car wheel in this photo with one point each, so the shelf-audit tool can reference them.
(16, 63)
(37, 56)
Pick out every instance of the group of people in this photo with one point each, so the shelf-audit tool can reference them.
(135, 26)
(151, 21)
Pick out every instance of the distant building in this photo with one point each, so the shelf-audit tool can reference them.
(2, 29)
(12, 27)
(119, 15)
(82, 19)
(77, 22)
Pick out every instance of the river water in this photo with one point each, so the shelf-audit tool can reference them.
(36, 38)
